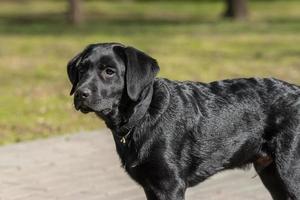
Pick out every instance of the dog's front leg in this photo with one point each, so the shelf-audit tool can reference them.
(177, 192)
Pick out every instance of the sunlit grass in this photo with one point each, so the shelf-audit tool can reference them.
(189, 40)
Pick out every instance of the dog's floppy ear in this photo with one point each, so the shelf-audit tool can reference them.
(73, 71)
(140, 71)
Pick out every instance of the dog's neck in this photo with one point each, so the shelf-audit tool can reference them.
(138, 111)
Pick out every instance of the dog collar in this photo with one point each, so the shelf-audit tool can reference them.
(123, 138)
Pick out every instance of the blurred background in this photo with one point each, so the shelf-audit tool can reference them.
(202, 40)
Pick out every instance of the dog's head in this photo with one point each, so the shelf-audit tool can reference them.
(103, 73)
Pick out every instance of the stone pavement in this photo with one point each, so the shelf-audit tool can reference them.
(85, 166)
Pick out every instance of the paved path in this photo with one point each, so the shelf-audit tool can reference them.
(85, 166)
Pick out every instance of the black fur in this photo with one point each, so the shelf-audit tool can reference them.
(172, 135)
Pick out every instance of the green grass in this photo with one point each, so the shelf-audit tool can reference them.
(189, 40)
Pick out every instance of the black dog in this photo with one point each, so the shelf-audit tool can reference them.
(171, 135)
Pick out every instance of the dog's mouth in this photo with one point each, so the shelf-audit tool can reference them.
(86, 109)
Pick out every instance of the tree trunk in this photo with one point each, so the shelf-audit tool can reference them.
(75, 14)
(236, 9)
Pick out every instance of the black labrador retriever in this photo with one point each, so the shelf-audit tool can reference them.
(171, 135)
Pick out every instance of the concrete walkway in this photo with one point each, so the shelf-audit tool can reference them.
(85, 166)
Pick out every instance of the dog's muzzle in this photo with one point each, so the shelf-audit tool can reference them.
(81, 100)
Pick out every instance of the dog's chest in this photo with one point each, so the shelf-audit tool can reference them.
(141, 170)
(142, 173)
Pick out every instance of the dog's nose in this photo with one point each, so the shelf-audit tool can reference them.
(83, 94)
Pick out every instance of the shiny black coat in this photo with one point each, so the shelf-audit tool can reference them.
(194, 130)
(171, 135)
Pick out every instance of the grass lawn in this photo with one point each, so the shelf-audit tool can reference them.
(189, 40)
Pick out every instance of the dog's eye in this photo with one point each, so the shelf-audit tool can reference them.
(109, 72)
